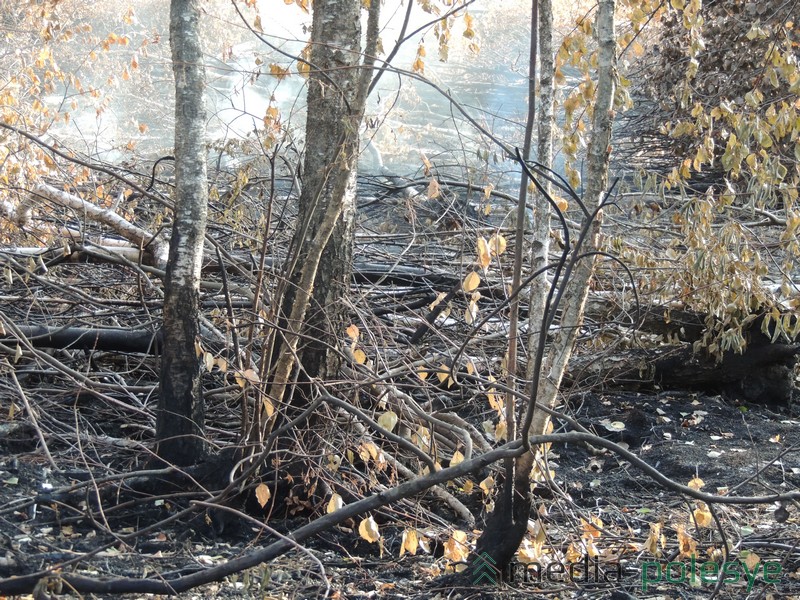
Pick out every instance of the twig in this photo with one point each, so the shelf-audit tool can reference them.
(31, 416)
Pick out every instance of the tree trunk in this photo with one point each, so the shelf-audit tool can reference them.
(507, 524)
(331, 152)
(319, 270)
(181, 413)
(574, 299)
(540, 245)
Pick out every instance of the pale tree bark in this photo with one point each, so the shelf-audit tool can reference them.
(181, 412)
(540, 245)
(507, 524)
(322, 247)
(574, 299)
(331, 154)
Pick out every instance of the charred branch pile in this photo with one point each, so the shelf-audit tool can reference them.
(763, 372)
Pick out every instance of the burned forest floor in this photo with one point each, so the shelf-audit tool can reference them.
(80, 492)
(748, 449)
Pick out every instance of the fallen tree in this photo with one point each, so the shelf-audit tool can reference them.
(762, 373)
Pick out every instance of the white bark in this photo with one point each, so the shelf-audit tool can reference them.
(540, 246)
(181, 411)
(574, 299)
(135, 235)
(319, 269)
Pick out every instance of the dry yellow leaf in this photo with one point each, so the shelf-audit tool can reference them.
(245, 377)
(334, 462)
(263, 494)
(495, 401)
(471, 313)
(751, 560)
(277, 71)
(268, 406)
(425, 162)
(703, 516)
(352, 332)
(457, 458)
(574, 553)
(484, 256)
(471, 282)
(434, 190)
(497, 244)
(438, 300)
(686, 545)
(456, 548)
(652, 541)
(335, 503)
(368, 530)
(359, 356)
(388, 420)
(410, 542)
(696, 483)
(443, 374)
(368, 450)
(528, 553)
(591, 529)
(501, 431)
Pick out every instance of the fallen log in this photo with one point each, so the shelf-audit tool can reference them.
(763, 373)
(81, 338)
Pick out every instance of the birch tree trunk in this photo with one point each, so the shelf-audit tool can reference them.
(322, 247)
(181, 412)
(331, 154)
(507, 524)
(574, 299)
(540, 246)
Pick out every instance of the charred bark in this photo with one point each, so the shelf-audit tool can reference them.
(181, 412)
(763, 373)
(331, 153)
(507, 524)
(82, 338)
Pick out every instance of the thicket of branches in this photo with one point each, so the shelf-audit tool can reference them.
(447, 352)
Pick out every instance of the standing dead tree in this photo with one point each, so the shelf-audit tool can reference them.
(181, 410)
